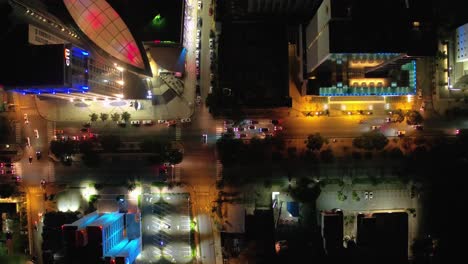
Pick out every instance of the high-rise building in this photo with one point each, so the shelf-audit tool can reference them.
(363, 47)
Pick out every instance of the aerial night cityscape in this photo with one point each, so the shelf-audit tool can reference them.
(233, 131)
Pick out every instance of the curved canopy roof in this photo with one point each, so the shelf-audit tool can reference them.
(102, 25)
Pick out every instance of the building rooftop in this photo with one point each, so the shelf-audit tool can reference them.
(106, 219)
(85, 220)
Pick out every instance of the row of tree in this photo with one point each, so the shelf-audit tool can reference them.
(162, 152)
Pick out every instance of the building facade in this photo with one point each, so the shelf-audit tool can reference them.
(94, 57)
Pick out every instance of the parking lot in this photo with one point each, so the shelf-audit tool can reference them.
(166, 228)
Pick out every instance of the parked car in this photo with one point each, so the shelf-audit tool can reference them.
(26, 119)
(171, 123)
(401, 133)
(200, 22)
(185, 120)
(211, 43)
(161, 121)
(36, 133)
(205, 138)
(147, 122)
(375, 127)
(136, 123)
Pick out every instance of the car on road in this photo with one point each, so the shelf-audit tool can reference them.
(200, 4)
(401, 133)
(200, 22)
(375, 127)
(388, 119)
(198, 33)
(185, 120)
(136, 123)
(36, 133)
(9, 171)
(7, 165)
(28, 142)
(198, 99)
(204, 138)
(26, 119)
(211, 44)
(252, 127)
(161, 121)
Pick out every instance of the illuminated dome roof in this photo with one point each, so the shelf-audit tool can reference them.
(101, 23)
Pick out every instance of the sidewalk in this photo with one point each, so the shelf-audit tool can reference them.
(61, 110)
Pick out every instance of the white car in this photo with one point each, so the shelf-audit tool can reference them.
(198, 100)
(135, 122)
(28, 142)
(185, 120)
(147, 122)
(200, 4)
(36, 133)
(197, 45)
(211, 43)
(197, 54)
(198, 33)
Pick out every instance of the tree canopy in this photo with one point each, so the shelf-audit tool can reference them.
(315, 142)
(370, 141)
(414, 118)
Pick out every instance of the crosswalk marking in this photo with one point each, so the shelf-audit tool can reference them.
(178, 135)
(219, 132)
(18, 133)
(50, 131)
(177, 173)
(219, 170)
